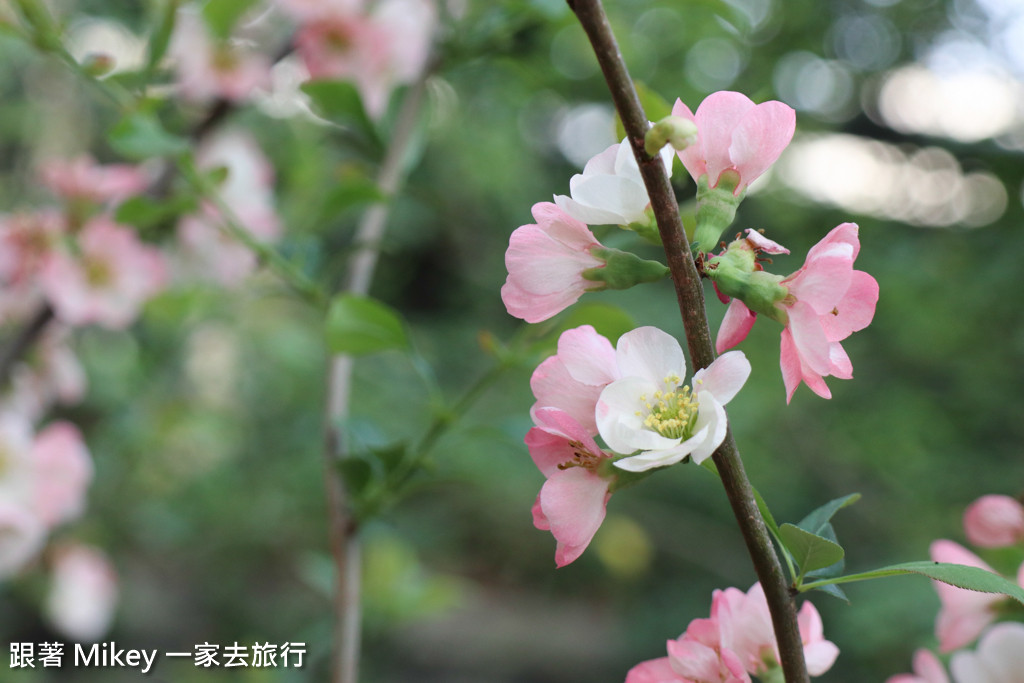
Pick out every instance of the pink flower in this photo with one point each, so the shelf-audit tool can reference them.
(572, 379)
(927, 669)
(108, 281)
(701, 656)
(545, 263)
(376, 50)
(84, 179)
(998, 659)
(746, 627)
(827, 301)
(994, 522)
(83, 594)
(26, 240)
(964, 613)
(207, 69)
(248, 193)
(654, 671)
(571, 503)
(734, 134)
(63, 472)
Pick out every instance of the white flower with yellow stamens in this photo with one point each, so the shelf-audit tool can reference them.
(649, 409)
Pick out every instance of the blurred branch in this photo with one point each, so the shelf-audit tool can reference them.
(698, 334)
(343, 527)
(23, 341)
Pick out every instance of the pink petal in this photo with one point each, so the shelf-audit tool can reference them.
(994, 521)
(693, 156)
(588, 356)
(809, 338)
(717, 118)
(535, 308)
(654, 671)
(736, 324)
(760, 137)
(573, 501)
(845, 233)
(822, 282)
(856, 309)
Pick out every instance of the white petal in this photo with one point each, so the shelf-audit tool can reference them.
(710, 419)
(663, 457)
(618, 421)
(649, 353)
(724, 377)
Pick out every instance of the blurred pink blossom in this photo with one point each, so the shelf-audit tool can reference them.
(248, 193)
(107, 281)
(994, 521)
(50, 374)
(735, 134)
(207, 68)
(999, 657)
(377, 48)
(26, 240)
(63, 471)
(83, 595)
(573, 378)
(571, 503)
(927, 669)
(964, 613)
(545, 263)
(83, 179)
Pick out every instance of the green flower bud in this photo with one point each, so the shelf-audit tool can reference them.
(737, 274)
(671, 130)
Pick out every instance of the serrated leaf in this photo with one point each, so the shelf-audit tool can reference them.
(359, 325)
(339, 102)
(222, 15)
(810, 551)
(961, 576)
(140, 136)
(819, 518)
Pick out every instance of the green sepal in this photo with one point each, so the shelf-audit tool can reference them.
(716, 209)
(623, 269)
(648, 231)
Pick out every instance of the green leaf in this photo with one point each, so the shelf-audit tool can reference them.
(655, 107)
(140, 136)
(144, 212)
(961, 576)
(352, 192)
(357, 475)
(809, 550)
(609, 321)
(817, 520)
(360, 325)
(222, 15)
(161, 37)
(835, 591)
(339, 102)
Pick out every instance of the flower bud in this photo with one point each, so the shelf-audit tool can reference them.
(622, 269)
(994, 522)
(736, 273)
(671, 130)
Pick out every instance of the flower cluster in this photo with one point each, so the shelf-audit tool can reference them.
(991, 522)
(375, 45)
(737, 641)
(633, 397)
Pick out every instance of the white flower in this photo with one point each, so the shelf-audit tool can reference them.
(610, 190)
(648, 410)
(998, 659)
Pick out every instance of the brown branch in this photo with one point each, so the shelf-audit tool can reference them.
(23, 341)
(690, 295)
(343, 527)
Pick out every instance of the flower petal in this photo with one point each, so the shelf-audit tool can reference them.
(650, 353)
(724, 377)
(760, 137)
(573, 502)
(736, 324)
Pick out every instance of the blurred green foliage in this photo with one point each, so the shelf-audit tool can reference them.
(205, 420)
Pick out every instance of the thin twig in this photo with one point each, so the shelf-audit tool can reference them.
(23, 341)
(698, 334)
(343, 527)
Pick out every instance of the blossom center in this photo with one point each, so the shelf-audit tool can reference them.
(98, 273)
(673, 412)
(582, 457)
